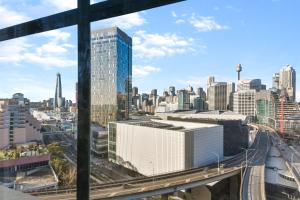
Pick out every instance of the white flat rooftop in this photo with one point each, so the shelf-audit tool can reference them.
(168, 124)
(187, 125)
(223, 116)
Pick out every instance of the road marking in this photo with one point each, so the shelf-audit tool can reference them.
(112, 194)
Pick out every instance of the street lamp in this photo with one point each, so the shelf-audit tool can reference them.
(247, 155)
(292, 158)
(242, 171)
(152, 171)
(218, 160)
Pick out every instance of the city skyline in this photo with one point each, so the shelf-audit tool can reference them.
(182, 47)
(119, 142)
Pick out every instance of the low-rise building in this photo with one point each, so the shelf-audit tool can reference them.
(235, 130)
(163, 146)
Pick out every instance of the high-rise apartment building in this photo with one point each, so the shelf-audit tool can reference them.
(201, 93)
(250, 84)
(135, 91)
(135, 98)
(210, 81)
(217, 96)
(183, 100)
(244, 102)
(287, 82)
(275, 81)
(111, 75)
(190, 90)
(229, 99)
(172, 91)
(17, 125)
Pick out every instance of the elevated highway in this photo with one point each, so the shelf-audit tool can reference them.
(161, 184)
(146, 187)
(253, 183)
(291, 157)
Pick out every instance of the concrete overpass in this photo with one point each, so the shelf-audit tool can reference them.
(148, 187)
(158, 185)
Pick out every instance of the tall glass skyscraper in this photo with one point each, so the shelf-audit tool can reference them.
(111, 71)
(58, 100)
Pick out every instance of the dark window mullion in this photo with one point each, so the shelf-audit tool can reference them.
(84, 102)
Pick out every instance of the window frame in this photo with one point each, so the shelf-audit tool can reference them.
(82, 16)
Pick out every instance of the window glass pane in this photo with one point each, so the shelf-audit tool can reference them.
(38, 111)
(170, 104)
(18, 11)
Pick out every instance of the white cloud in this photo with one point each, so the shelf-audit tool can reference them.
(193, 81)
(204, 24)
(62, 5)
(174, 14)
(146, 45)
(48, 61)
(52, 53)
(216, 8)
(201, 23)
(201, 81)
(180, 21)
(233, 8)
(141, 71)
(10, 18)
(27, 84)
(12, 51)
(56, 35)
(51, 48)
(126, 21)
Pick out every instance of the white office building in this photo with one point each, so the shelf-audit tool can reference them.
(244, 102)
(163, 146)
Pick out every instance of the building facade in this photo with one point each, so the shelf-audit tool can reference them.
(249, 84)
(17, 125)
(99, 142)
(162, 146)
(266, 107)
(183, 100)
(172, 91)
(244, 102)
(111, 75)
(287, 82)
(230, 91)
(217, 96)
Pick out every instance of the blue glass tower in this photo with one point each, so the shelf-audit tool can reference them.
(111, 75)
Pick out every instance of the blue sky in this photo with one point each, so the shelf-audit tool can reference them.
(180, 44)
